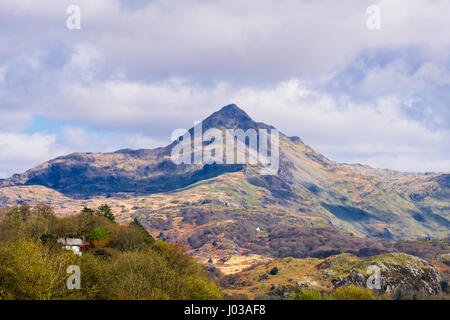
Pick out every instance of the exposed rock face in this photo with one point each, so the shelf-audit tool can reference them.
(401, 274)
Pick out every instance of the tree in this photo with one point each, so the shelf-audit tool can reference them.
(99, 234)
(25, 212)
(137, 223)
(129, 238)
(96, 278)
(36, 227)
(87, 211)
(13, 214)
(149, 238)
(44, 210)
(87, 220)
(49, 239)
(105, 211)
(8, 231)
(132, 267)
(99, 237)
(29, 270)
(13, 224)
(66, 227)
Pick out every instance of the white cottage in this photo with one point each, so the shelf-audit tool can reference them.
(72, 244)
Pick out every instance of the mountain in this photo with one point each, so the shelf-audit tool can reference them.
(83, 175)
(312, 205)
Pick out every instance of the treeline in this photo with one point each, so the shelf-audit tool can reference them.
(122, 261)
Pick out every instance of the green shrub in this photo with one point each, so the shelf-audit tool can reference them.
(99, 234)
(445, 287)
(50, 240)
(353, 292)
(274, 271)
(307, 294)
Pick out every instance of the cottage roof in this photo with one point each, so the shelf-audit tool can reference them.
(71, 241)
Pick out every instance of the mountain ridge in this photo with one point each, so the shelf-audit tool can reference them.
(237, 118)
(180, 203)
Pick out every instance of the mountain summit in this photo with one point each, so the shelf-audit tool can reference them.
(232, 117)
(308, 190)
(231, 111)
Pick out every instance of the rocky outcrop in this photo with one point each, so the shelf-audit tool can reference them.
(401, 275)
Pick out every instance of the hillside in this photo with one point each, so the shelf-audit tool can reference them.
(402, 275)
(115, 261)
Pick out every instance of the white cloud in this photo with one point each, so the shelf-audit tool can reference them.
(416, 162)
(3, 70)
(81, 65)
(112, 74)
(152, 108)
(265, 39)
(15, 121)
(20, 152)
(397, 77)
(373, 134)
(380, 135)
(78, 139)
(434, 74)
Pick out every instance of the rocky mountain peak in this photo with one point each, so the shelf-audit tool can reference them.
(232, 117)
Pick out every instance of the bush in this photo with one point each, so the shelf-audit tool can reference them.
(353, 292)
(274, 271)
(102, 253)
(98, 234)
(445, 287)
(50, 240)
(307, 294)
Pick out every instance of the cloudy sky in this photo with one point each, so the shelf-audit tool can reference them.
(138, 69)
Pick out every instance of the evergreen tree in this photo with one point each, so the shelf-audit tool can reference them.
(87, 211)
(105, 211)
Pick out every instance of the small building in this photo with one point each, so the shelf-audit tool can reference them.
(72, 244)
